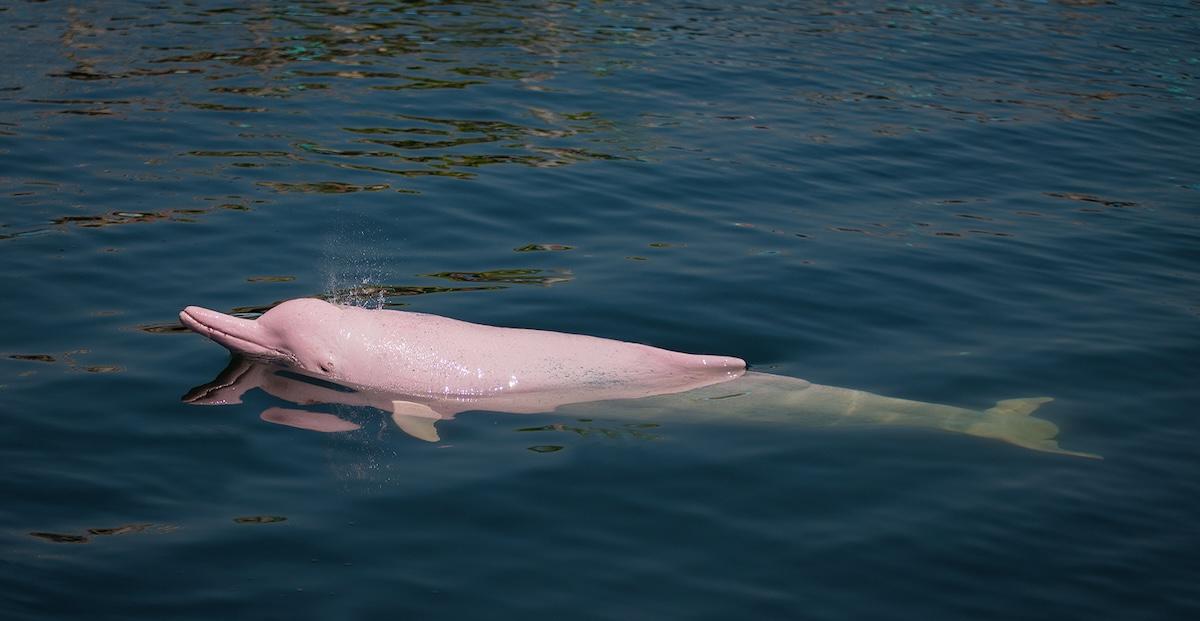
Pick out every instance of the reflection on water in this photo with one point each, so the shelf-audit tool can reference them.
(259, 519)
(256, 80)
(544, 278)
(253, 73)
(69, 359)
(752, 398)
(586, 427)
(127, 217)
(128, 529)
(542, 248)
(327, 187)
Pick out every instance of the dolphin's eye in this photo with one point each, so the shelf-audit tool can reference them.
(326, 366)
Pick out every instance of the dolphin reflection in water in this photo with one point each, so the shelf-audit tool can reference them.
(422, 368)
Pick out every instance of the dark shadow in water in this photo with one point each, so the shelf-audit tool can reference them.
(67, 358)
(540, 277)
(128, 529)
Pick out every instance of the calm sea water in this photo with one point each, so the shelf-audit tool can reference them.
(952, 202)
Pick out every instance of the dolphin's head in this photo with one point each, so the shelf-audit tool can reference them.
(304, 334)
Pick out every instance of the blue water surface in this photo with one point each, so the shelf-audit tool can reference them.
(950, 202)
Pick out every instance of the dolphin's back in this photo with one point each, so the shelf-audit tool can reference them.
(416, 352)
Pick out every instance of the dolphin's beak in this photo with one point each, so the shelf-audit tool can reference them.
(240, 336)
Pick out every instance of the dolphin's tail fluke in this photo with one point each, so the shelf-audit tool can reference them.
(1011, 421)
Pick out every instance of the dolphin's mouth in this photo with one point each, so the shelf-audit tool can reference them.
(240, 336)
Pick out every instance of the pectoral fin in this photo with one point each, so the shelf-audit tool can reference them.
(312, 421)
(416, 420)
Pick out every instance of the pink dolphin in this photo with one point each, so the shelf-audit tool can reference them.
(442, 366)
(424, 368)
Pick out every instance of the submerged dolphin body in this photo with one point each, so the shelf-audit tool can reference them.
(424, 368)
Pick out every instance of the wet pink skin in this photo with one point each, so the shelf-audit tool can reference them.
(454, 365)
